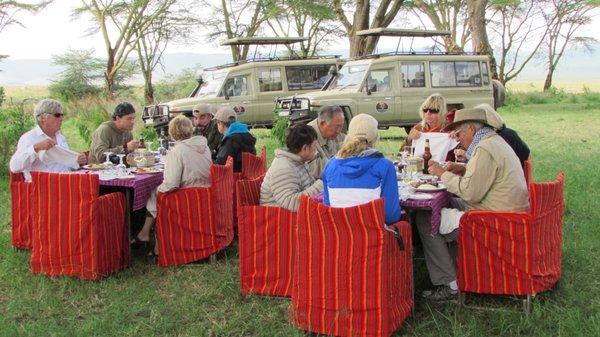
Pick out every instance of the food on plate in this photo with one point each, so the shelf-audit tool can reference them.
(427, 187)
(94, 167)
(144, 170)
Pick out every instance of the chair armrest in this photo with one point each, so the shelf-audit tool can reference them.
(490, 218)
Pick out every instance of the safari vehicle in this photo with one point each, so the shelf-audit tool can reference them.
(392, 86)
(249, 86)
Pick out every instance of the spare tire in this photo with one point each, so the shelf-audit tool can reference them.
(499, 93)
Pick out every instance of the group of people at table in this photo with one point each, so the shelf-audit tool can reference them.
(318, 159)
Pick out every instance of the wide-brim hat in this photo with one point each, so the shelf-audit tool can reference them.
(467, 115)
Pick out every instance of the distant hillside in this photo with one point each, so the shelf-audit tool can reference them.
(576, 66)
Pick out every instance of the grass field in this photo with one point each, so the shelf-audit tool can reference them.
(204, 299)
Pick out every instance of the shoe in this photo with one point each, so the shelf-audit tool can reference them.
(441, 293)
(138, 244)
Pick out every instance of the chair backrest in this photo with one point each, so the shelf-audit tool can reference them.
(254, 166)
(528, 170)
(351, 268)
(546, 197)
(222, 194)
(16, 177)
(60, 195)
(248, 191)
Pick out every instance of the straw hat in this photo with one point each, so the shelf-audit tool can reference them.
(467, 115)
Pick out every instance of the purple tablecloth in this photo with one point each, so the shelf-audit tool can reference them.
(439, 201)
(142, 186)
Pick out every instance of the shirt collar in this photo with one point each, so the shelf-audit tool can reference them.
(39, 132)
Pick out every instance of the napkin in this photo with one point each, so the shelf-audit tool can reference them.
(439, 143)
(61, 155)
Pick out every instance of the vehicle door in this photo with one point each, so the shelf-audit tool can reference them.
(269, 82)
(237, 92)
(413, 92)
(460, 82)
(377, 94)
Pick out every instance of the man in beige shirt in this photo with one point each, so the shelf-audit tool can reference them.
(492, 180)
(112, 135)
(328, 126)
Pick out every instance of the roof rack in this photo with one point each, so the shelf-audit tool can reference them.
(403, 32)
(262, 40)
(275, 58)
(397, 53)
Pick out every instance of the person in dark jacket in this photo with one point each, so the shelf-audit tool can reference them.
(236, 138)
(205, 125)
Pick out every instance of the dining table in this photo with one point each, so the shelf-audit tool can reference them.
(434, 203)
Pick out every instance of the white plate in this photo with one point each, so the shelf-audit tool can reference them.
(420, 196)
(129, 176)
(428, 190)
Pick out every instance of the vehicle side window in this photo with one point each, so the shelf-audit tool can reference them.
(485, 74)
(379, 81)
(307, 77)
(455, 74)
(236, 86)
(413, 75)
(269, 79)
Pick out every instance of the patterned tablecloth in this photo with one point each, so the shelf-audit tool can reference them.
(439, 201)
(142, 185)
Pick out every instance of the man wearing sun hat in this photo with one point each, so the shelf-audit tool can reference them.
(205, 125)
(492, 180)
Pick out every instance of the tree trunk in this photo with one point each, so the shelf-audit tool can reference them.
(548, 81)
(358, 44)
(148, 88)
(477, 25)
(109, 74)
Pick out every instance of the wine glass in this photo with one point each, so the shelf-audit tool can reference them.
(121, 168)
(107, 163)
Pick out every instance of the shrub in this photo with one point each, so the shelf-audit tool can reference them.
(280, 126)
(2, 95)
(15, 122)
(89, 112)
(176, 86)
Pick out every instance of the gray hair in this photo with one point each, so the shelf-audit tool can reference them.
(328, 112)
(477, 125)
(46, 106)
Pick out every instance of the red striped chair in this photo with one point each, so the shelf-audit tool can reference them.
(352, 277)
(265, 243)
(514, 253)
(20, 205)
(76, 231)
(252, 167)
(195, 223)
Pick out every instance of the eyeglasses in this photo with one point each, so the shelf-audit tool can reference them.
(431, 111)
(57, 115)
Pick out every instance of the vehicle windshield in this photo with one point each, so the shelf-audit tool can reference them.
(349, 77)
(212, 83)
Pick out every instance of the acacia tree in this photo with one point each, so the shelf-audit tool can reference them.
(450, 15)
(520, 30)
(174, 25)
(235, 18)
(360, 10)
(120, 22)
(564, 19)
(10, 8)
(477, 27)
(314, 20)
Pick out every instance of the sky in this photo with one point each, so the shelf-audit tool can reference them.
(53, 31)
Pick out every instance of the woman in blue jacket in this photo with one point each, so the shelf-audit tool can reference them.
(359, 173)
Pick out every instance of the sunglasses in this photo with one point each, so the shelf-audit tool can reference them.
(57, 115)
(431, 111)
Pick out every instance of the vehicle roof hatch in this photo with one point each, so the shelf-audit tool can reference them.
(262, 40)
(399, 32)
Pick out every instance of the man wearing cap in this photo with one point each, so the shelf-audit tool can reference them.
(32, 146)
(236, 138)
(328, 126)
(110, 136)
(493, 180)
(205, 125)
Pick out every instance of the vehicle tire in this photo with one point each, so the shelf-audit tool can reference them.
(499, 93)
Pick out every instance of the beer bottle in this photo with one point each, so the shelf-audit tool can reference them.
(426, 157)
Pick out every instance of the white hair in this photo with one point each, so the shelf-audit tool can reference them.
(328, 112)
(46, 106)
(477, 125)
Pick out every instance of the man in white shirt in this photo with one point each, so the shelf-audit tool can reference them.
(32, 146)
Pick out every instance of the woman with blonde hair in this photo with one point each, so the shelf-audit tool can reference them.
(186, 165)
(433, 113)
(359, 173)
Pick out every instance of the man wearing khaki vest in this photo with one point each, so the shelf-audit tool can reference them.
(328, 126)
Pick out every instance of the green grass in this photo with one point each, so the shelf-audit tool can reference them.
(204, 299)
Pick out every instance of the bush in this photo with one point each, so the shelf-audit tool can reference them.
(89, 112)
(2, 95)
(15, 122)
(176, 86)
(280, 126)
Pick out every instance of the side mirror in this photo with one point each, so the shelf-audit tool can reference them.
(200, 81)
(333, 71)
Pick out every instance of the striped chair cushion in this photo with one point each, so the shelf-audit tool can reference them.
(351, 278)
(194, 223)
(20, 205)
(510, 252)
(76, 232)
(265, 243)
